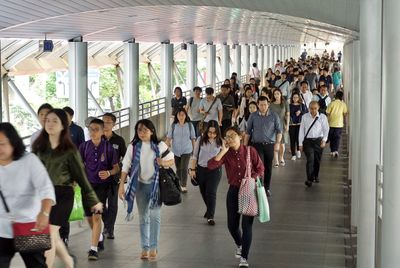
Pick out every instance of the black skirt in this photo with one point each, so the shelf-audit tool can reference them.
(64, 203)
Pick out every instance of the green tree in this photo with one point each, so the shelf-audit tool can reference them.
(109, 90)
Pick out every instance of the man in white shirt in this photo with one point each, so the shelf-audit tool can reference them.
(313, 134)
(305, 93)
(255, 73)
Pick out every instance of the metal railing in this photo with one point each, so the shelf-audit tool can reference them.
(151, 108)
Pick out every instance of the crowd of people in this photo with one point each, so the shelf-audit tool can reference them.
(300, 103)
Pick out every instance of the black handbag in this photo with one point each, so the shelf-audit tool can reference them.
(170, 188)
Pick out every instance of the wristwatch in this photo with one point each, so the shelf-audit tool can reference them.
(192, 169)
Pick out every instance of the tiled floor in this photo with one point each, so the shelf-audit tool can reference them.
(306, 229)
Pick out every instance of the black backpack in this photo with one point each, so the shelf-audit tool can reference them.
(170, 190)
(322, 104)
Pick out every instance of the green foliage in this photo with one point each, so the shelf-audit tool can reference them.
(109, 89)
(22, 120)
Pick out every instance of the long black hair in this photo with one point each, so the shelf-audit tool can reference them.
(15, 140)
(42, 143)
(204, 136)
(179, 110)
(148, 124)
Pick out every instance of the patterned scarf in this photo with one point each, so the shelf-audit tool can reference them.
(134, 177)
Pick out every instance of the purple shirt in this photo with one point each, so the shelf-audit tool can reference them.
(96, 159)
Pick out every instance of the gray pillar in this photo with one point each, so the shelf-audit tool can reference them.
(246, 60)
(211, 59)
(1, 91)
(225, 62)
(6, 95)
(78, 80)
(274, 55)
(191, 72)
(267, 56)
(261, 61)
(167, 57)
(237, 66)
(371, 103)
(131, 83)
(254, 54)
(391, 126)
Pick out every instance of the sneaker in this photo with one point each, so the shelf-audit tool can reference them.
(276, 165)
(308, 183)
(283, 163)
(100, 245)
(65, 240)
(293, 158)
(211, 222)
(183, 189)
(243, 262)
(93, 255)
(238, 253)
(298, 154)
(144, 255)
(110, 236)
(336, 154)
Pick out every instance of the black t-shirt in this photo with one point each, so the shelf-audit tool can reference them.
(119, 145)
(176, 104)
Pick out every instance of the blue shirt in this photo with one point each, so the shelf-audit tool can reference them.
(182, 137)
(77, 135)
(207, 151)
(263, 128)
(96, 159)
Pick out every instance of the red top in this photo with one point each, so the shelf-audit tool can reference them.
(235, 164)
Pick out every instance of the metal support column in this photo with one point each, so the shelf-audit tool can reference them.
(6, 96)
(267, 56)
(225, 58)
(78, 80)
(254, 55)
(211, 65)
(261, 61)
(167, 57)
(131, 83)
(246, 60)
(191, 67)
(237, 65)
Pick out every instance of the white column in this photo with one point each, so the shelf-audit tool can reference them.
(267, 56)
(246, 60)
(167, 57)
(237, 65)
(191, 67)
(78, 80)
(254, 55)
(211, 59)
(391, 141)
(131, 83)
(225, 61)
(370, 50)
(261, 63)
(274, 55)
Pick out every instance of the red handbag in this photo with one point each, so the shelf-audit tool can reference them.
(26, 237)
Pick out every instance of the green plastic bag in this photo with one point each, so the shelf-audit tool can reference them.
(263, 206)
(77, 213)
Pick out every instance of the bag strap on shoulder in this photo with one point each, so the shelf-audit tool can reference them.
(308, 131)
(4, 202)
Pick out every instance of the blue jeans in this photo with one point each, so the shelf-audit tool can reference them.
(149, 219)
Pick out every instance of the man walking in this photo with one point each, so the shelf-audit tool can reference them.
(313, 134)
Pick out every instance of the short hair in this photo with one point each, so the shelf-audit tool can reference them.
(197, 88)
(254, 64)
(15, 140)
(234, 74)
(339, 95)
(45, 106)
(225, 86)
(113, 117)
(209, 90)
(68, 110)
(262, 98)
(89, 120)
(97, 121)
(303, 82)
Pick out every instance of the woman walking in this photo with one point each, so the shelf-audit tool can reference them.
(207, 146)
(281, 107)
(144, 158)
(234, 155)
(64, 165)
(183, 136)
(28, 192)
(297, 109)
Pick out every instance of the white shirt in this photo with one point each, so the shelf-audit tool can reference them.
(147, 157)
(306, 97)
(319, 130)
(24, 183)
(254, 72)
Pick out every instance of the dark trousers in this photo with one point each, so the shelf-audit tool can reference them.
(294, 138)
(196, 127)
(266, 153)
(335, 133)
(208, 183)
(313, 152)
(225, 124)
(182, 163)
(110, 212)
(232, 206)
(31, 260)
(64, 231)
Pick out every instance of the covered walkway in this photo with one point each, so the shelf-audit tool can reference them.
(308, 229)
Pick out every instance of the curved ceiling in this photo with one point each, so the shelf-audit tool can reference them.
(201, 21)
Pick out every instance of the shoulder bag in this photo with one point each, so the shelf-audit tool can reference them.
(26, 237)
(170, 189)
(248, 205)
(201, 125)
